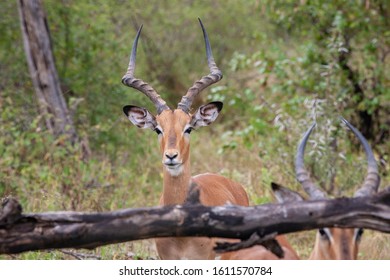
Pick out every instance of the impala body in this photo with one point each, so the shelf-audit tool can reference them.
(331, 243)
(173, 127)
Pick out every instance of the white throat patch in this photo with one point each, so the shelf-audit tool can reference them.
(175, 171)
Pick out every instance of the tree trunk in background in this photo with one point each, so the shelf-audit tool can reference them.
(37, 44)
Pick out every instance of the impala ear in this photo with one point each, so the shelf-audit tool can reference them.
(284, 194)
(206, 114)
(140, 117)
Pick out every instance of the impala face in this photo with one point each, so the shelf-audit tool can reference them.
(338, 243)
(173, 128)
(331, 243)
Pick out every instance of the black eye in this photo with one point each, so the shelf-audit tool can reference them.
(158, 131)
(359, 233)
(188, 130)
(323, 233)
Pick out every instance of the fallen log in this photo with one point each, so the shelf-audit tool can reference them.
(21, 232)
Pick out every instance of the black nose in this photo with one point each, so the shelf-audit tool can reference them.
(171, 156)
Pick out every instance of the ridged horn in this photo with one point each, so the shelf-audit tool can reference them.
(214, 76)
(138, 84)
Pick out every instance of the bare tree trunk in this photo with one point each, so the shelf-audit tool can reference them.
(38, 49)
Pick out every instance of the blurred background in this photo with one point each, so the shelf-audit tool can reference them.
(285, 65)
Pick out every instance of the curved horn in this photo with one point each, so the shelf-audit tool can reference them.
(214, 76)
(130, 81)
(302, 174)
(372, 180)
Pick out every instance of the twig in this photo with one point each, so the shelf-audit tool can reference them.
(80, 256)
(268, 241)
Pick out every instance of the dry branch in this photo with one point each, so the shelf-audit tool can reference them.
(24, 232)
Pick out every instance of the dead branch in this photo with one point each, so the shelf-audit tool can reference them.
(268, 241)
(25, 232)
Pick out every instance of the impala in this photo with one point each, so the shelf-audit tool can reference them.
(331, 243)
(173, 128)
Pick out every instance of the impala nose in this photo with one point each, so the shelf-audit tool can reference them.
(171, 155)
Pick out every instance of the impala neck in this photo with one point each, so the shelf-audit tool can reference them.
(176, 187)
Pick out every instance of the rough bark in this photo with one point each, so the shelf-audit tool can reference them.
(24, 232)
(38, 49)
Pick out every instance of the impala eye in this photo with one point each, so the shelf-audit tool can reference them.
(323, 233)
(359, 233)
(158, 131)
(188, 130)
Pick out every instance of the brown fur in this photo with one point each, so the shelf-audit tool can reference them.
(341, 246)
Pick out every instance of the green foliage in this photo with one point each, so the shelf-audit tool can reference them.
(342, 55)
(285, 64)
(324, 59)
